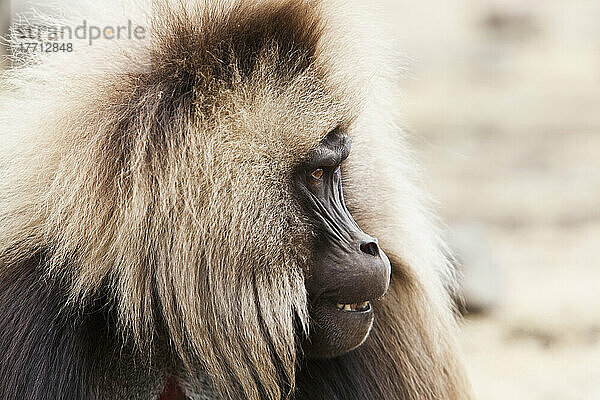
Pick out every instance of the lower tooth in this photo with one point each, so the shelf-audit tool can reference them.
(353, 307)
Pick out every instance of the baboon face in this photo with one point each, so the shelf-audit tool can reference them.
(349, 270)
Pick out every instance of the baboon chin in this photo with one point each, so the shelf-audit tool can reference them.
(183, 216)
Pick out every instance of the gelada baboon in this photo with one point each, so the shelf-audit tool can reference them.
(194, 214)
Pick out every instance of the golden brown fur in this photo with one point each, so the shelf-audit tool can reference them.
(163, 178)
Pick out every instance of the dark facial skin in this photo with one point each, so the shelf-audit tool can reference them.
(349, 269)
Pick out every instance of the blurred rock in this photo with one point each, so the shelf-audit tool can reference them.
(480, 281)
(511, 24)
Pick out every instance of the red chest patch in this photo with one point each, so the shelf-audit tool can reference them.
(172, 391)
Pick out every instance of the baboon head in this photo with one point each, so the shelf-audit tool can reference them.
(174, 207)
(199, 184)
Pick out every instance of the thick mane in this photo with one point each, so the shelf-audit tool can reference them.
(135, 168)
(208, 48)
(222, 40)
(132, 187)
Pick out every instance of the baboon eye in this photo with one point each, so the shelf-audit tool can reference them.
(317, 174)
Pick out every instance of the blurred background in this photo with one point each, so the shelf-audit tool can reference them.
(503, 98)
(503, 101)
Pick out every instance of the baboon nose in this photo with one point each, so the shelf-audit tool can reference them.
(370, 248)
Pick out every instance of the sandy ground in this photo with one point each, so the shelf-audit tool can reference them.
(504, 101)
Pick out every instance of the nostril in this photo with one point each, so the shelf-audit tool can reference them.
(370, 248)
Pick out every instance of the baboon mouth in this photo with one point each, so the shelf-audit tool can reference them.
(364, 306)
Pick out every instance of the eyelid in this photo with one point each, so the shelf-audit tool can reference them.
(325, 159)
